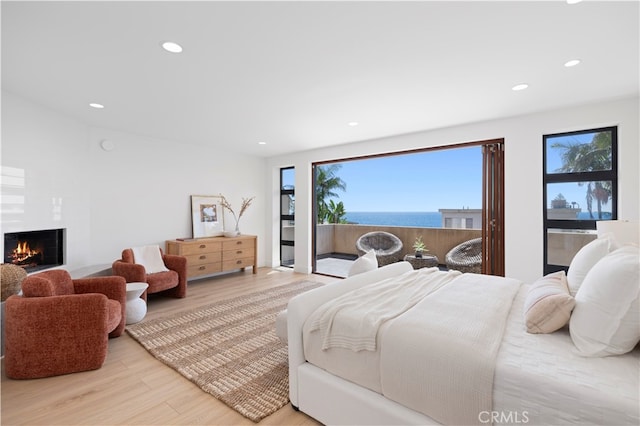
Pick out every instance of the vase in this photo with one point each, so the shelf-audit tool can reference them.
(233, 233)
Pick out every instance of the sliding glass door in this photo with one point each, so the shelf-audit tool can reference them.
(444, 196)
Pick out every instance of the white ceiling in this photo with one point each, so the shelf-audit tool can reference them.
(293, 74)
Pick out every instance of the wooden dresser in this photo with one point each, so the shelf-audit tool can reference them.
(206, 256)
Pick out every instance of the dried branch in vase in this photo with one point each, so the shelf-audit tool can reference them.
(246, 202)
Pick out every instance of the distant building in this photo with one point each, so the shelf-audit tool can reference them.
(461, 218)
(566, 213)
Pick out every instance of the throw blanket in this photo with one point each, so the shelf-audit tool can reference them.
(150, 258)
(352, 320)
(439, 358)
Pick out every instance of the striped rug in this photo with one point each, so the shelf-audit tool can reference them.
(229, 349)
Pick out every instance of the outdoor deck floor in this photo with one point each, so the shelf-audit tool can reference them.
(333, 266)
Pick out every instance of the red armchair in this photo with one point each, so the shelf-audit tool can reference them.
(172, 282)
(61, 325)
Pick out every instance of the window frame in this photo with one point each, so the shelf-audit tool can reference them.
(575, 177)
(286, 217)
(493, 201)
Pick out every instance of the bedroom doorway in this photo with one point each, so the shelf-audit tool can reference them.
(448, 195)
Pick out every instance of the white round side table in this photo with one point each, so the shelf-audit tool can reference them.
(136, 308)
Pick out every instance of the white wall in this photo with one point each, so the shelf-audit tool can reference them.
(137, 194)
(523, 173)
(51, 152)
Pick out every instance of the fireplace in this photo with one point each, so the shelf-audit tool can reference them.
(35, 250)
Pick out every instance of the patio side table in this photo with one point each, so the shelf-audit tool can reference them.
(426, 261)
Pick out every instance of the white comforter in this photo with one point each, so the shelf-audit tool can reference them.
(423, 326)
(352, 321)
(453, 336)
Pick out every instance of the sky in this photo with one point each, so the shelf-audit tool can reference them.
(433, 180)
(423, 182)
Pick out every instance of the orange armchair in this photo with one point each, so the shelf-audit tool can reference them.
(61, 325)
(172, 282)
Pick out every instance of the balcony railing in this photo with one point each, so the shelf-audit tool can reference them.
(332, 239)
(341, 238)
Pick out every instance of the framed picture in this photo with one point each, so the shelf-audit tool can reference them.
(207, 217)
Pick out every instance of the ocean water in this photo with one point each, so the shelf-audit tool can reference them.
(417, 219)
(585, 215)
(409, 219)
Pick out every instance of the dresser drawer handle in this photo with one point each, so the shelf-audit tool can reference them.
(239, 252)
(202, 268)
(203, 257)
(238, 242)
(203, 246)
(238, 262)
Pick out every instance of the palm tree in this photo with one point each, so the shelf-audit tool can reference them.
(326, 183)
(336, 212)
(594, 156)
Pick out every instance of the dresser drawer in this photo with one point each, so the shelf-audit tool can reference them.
(237, 243)
(206, 269)
(238, 253)
(237, 263)
(200, 247)
(204, 258)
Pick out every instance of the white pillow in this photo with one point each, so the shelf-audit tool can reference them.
(584, 260)
(548, 305)
(606, 319)
(150, 258)
(366, 262)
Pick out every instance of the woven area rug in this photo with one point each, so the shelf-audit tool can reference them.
(229, 349)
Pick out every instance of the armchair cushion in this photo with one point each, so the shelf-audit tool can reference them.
(163, 280)
(114, 314)
(37, 287)
(56, 282)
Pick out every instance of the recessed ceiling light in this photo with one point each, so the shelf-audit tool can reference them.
(262, 143)
(172, 47)
(353, 123)
(519, 87)
(572, 63)
(96, 105)
(573, 1)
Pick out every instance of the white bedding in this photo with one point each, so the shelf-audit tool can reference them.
(439, 357)
(452, 389)
(542, 375)
(352, 320)
(538, 377)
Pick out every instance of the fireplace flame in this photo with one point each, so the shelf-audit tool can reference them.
(23, 253)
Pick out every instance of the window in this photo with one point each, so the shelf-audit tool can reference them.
(287, 216)
(455, 186)
(580, 187)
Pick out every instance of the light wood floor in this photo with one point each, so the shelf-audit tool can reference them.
(132, 387)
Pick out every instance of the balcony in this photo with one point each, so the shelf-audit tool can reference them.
(336, 243)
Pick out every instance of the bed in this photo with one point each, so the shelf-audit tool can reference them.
(534, 377)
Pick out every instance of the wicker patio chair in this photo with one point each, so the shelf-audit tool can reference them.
(466, 257)
(387, 246)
